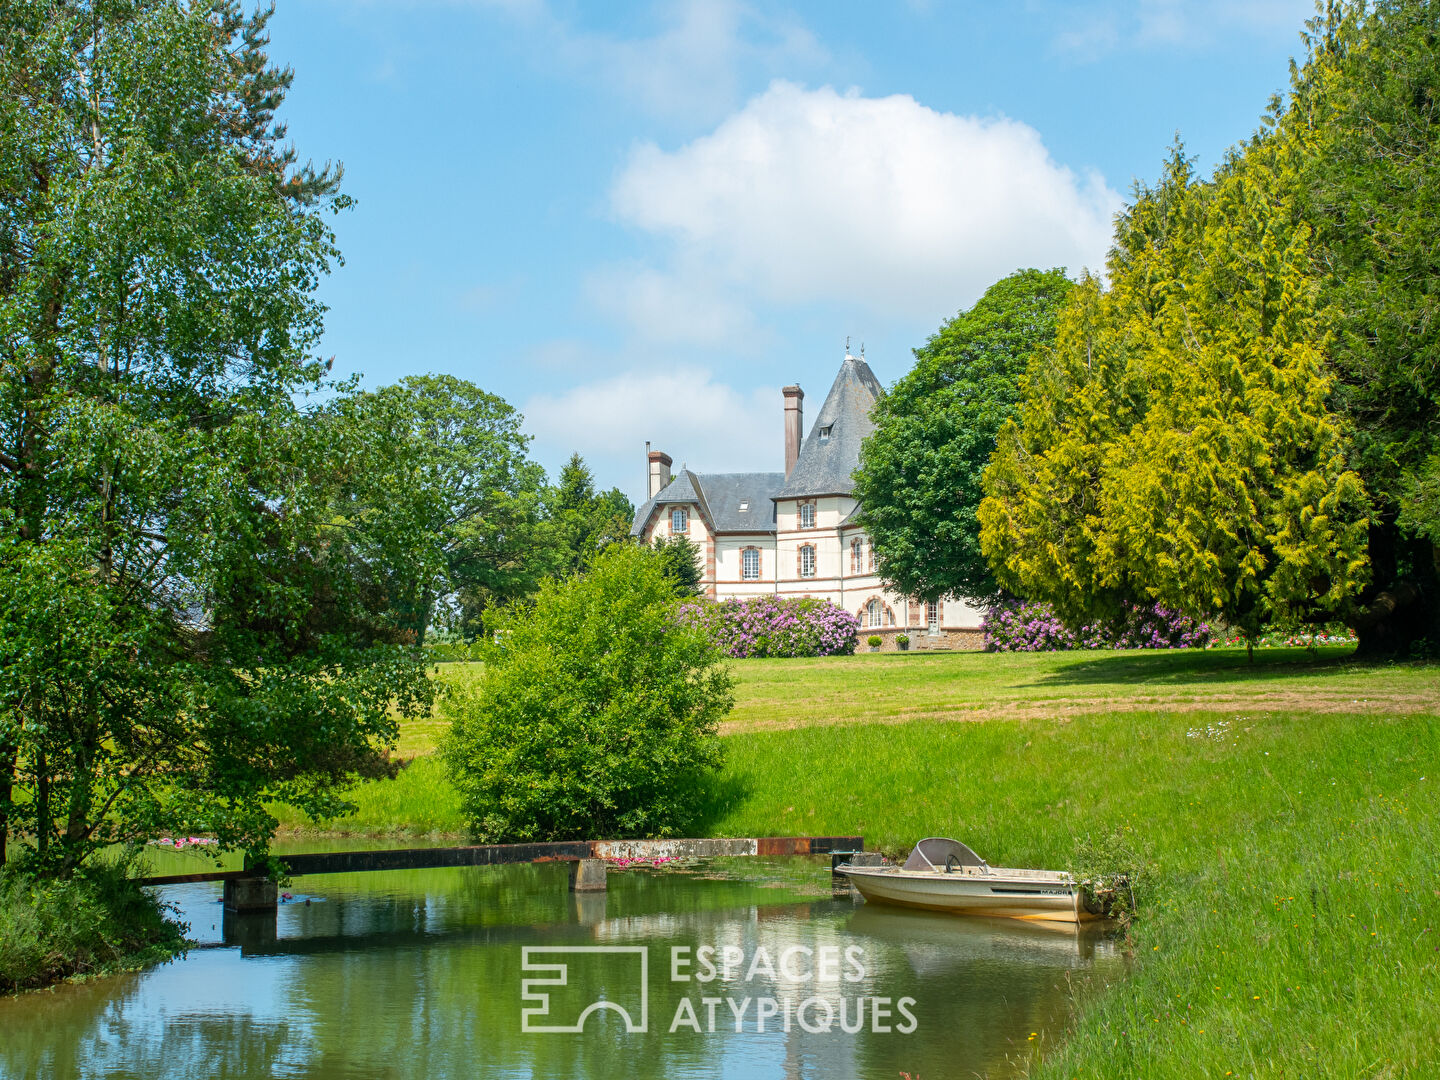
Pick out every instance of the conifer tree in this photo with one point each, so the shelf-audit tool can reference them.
(1176, 444)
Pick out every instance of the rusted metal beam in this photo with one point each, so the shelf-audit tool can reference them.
(352, 862)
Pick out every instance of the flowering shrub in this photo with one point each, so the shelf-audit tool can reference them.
(1296, 639)
(1026, 627)
(776, 626)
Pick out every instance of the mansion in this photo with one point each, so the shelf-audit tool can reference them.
(795, 533)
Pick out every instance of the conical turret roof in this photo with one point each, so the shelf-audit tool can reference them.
(831, 452)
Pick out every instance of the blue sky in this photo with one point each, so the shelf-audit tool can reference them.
(637, 221)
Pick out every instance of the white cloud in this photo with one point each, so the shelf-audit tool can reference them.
(691, 67)
(561, 355)
(701, 422)
(1092, 31)
(681, 308)
(817, 196)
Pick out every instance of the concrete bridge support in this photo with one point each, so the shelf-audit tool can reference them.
(244, 895)
(587, 875)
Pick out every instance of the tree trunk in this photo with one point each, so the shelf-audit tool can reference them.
(1401, 610)
(82, 801)
(7, 788)
(42, 805)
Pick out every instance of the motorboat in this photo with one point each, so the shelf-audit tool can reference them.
(945, 875)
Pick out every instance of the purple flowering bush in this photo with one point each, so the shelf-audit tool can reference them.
(1021, 626)
(776, 626)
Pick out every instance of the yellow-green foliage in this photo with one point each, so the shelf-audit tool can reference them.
(1175, 444)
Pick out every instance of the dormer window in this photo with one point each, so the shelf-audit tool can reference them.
(744, 506)
(679, 520)
(825, 433)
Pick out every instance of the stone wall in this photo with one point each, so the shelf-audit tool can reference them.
(953, 640)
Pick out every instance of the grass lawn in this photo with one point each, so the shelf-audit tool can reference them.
(1290, 809)
(896, 687)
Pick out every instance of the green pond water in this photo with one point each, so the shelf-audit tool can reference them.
(424, 974)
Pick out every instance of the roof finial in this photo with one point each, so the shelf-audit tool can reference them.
(847, 344)
(862, 350)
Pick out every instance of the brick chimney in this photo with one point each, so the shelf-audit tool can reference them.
(794, 424)
(659, 464)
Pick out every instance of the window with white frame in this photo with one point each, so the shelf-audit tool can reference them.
(750, 564)
(807, 560)
(807, 515)
(679, 520)
(872, 558)
(857, 556)
(932, 615)
(872, 613)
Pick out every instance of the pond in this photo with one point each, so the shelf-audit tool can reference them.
(459, 972)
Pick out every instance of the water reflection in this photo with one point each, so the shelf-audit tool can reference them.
(419, 973)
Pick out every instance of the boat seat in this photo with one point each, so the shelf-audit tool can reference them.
(935, 852)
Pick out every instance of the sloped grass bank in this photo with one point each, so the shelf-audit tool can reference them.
(420, 802)
(1293, 928)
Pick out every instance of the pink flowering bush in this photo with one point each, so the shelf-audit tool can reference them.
(1021, 626)
(776, 626)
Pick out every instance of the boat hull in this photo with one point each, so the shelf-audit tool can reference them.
(1033, 898)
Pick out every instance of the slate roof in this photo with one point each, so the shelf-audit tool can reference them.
(719, 496)
(826, 463)
(726, 491)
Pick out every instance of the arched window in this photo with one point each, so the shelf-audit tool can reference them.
(807, 515)
(857, 556)
(679, 520)
(807, 560)
(750, 564)
(877, 613)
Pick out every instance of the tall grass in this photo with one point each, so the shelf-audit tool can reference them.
(98, 921)
(419, 802)
(1293, 928)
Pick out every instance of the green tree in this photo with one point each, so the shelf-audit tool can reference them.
(595, 715)
(179, 640)
(681, 557)
(919, 477)
(1367, 100)
(584, 522)
(1175, 444)
(440, 466)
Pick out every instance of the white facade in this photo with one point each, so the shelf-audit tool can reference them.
(785, 534)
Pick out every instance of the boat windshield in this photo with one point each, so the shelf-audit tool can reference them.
(934, 852)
